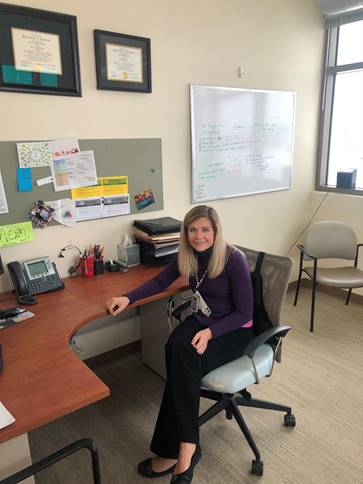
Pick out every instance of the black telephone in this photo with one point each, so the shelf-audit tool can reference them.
(34, 277)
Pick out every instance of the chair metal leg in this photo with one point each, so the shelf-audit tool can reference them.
(299, 279)
(348, 297)
(243, 426)
(255, 403)
(313, 299)
(213, 411)
(57, 456)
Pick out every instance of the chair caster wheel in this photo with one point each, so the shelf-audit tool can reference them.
(257, 468)
(229, 415)
(289, 420)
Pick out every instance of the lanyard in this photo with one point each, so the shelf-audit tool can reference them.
(199, 282)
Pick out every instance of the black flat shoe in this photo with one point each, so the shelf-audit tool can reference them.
(146, 470)
(187, 476)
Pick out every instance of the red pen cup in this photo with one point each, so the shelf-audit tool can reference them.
(87, 266)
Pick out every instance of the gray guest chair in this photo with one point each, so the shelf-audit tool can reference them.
(52, 459)
(329, 240)
(227, 384)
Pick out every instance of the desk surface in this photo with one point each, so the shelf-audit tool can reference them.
(42, 378)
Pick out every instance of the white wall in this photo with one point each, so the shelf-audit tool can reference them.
(279, 43)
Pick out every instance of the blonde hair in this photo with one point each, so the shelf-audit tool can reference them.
(187, 261)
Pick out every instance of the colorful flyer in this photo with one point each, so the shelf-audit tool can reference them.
(107, 186)
(34, 155)
(144, 199)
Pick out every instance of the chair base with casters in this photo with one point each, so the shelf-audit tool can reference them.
(57, 456)
(227, 385)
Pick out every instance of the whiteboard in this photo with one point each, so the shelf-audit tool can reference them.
(242, 141)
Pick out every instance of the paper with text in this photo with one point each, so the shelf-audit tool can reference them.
(3, 202)
(5, 417)
(73, 171)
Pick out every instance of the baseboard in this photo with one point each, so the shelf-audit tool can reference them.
(117, 353)
(335, 291)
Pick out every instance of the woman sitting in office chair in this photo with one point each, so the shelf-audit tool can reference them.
(216, 333)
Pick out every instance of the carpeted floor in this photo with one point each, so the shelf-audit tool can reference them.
(320, 377)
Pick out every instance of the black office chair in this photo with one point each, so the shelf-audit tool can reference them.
(227, 385)
(57, 456)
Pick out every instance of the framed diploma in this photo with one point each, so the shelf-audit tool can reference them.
(38, 51)
(123, 62)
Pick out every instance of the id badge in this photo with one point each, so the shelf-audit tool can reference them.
(194, 306)
(200, 305)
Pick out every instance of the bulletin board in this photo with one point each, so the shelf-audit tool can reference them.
(139, 159)
(242, 141)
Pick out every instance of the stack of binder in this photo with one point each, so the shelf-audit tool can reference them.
(158, 239)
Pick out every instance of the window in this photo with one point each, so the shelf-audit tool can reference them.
(341, 123)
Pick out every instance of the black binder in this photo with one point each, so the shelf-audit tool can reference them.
(162, 225)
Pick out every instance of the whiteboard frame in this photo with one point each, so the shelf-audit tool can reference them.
(192, 141)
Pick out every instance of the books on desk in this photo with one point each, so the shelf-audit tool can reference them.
(159, 250)
(158, 239)
(156, 226)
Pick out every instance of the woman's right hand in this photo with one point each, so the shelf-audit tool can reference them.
(116, 305)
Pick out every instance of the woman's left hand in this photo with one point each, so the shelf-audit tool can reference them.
(201, 339)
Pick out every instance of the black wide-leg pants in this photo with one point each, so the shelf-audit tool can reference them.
(179, 411)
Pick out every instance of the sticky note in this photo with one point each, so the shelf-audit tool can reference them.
(24, 177)
(14, 234)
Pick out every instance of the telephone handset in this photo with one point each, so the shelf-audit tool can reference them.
(34, 277)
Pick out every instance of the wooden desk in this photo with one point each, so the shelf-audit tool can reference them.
(42, 378)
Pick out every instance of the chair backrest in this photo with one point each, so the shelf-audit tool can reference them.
(331, 240)
(275, 272)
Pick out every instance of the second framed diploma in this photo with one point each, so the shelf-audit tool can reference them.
(123, 62)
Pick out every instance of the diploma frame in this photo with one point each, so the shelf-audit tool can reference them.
(123, 62)
(39, 51)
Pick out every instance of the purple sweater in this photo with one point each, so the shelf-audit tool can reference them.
(229, 296)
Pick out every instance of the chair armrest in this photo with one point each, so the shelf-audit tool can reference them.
(357, 254)
(176, 313)
(277, 331)
(303, 250)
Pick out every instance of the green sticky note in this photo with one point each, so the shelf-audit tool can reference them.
(15, 234)
(14, 76)
(49, 80)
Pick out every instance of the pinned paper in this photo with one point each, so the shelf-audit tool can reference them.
(44, 181)
(145, 199)
(65, 211)
(73, 171)
(33, 155)
(24, 177)
(64, 146)
(14, 234)
(106, 186)
(3, 203)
